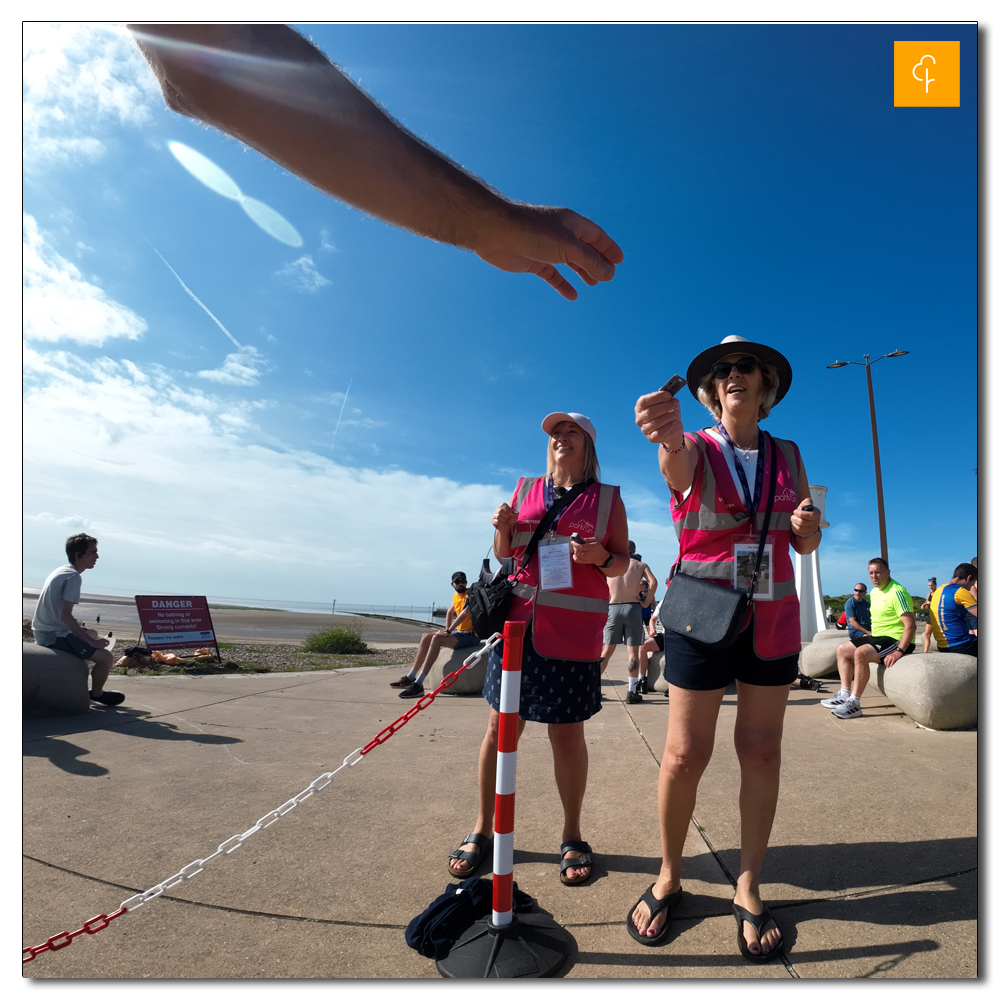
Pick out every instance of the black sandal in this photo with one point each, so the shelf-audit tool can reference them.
(758, 922)
(585, 860)
(473, 858)
(656, 907)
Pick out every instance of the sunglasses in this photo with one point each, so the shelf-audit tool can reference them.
(860, 590)
(744, 366)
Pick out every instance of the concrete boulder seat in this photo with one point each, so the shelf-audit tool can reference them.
(819, 657)
(936, 690)
(53, 682)
(470, 681)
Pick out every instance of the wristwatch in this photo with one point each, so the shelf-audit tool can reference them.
(610, 561)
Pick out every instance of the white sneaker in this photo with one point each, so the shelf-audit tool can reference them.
(851, 709)
(838, 699)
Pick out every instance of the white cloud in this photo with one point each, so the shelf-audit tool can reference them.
(70, 521)
(59, 304)
(183, 495)
(76, 76)
(242, 367)
(325, 243)
(302, 274)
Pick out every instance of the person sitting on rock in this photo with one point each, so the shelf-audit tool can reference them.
(456, 634)
(54, 625)
(893, 626)
(954, 613)
(859, 613)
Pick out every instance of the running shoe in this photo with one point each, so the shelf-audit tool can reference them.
(109, 698)
(633, 698)
(413, 691)
(404, 682)
(838, 699)
(851, 709)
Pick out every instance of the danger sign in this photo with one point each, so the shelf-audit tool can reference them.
(175, 622)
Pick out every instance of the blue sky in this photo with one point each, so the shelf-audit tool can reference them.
(758, 179)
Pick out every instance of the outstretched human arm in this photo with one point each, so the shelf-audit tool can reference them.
(658, 416)
(268, 86)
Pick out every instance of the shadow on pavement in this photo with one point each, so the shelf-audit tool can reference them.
(41, 741)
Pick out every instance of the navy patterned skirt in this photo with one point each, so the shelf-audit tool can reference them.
(552, 691)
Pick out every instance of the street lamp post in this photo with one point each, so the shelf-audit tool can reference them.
(878, 465)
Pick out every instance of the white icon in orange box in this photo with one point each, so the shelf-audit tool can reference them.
(926, 79)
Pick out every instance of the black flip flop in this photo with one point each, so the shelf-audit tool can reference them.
(474, 858)
(758, 922)
(585, 860)
(656, 907)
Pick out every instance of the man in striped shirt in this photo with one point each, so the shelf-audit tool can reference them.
(893, 627)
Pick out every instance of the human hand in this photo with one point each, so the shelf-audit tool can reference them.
(926, 604)
(805, 522)
(99, 643)
(891, 658)
(533, 238)
(504, 518)
(589, 551)
(658, 416)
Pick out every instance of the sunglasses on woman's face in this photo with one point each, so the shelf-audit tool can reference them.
(744, 366)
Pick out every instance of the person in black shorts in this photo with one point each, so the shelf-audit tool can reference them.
(716, 479)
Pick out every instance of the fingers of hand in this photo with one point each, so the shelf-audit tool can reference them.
(591, 233)
(549, 274)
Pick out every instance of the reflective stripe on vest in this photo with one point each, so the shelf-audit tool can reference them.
(705, 527)
(566, 624)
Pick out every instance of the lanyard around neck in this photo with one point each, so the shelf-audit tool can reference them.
(752, 503)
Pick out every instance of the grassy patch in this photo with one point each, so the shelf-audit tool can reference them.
(335, 640)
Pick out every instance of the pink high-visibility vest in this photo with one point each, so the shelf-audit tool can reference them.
(565, 624)
(715, 513)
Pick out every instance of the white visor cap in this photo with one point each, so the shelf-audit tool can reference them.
(549, 423)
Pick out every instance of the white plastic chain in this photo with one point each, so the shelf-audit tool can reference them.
(233, 843)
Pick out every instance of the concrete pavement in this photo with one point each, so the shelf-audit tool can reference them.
(872, 870)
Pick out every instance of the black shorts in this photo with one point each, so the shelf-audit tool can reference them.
(968, 648)
(658, 639)
(688, 664)
(75, 645)
(883, 644)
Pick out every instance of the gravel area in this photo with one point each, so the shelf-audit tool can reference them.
(261, 659)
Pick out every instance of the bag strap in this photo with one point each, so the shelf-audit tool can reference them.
(549, 517)
(767, 516)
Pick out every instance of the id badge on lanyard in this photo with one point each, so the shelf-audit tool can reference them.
(745, 557)
(555, 563)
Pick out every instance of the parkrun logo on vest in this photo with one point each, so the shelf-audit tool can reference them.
(584, 527)
(789, 494)
(926, 74)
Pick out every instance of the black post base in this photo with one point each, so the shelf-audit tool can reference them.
(534, 946)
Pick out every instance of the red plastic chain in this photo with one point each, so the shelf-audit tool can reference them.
(418, 706)
(65, 938)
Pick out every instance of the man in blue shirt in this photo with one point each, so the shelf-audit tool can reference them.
(859, 613)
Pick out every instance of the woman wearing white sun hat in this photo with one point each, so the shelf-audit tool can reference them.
(566, 613)
(718, 514)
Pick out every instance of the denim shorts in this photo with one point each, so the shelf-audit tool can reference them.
(465, 639)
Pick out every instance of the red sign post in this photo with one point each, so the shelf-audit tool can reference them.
(176, 622)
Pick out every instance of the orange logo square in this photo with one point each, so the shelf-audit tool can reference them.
(925, 74)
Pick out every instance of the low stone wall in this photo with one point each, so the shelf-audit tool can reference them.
(53, 682)
(937, 690)
(470, 681)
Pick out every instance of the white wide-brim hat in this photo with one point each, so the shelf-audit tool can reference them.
(549, 423)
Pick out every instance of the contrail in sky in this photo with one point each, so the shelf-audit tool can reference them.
(195, 297)
(342, 405)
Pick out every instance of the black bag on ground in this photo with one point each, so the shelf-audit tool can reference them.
(706, 612)
(434, 931)
(489, 602)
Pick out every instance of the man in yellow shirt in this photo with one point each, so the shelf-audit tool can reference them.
(954, 614)
(456, 634)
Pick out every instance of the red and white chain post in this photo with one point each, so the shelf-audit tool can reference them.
(503, 822)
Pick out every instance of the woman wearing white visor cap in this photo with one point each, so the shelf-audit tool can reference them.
(562, 595)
